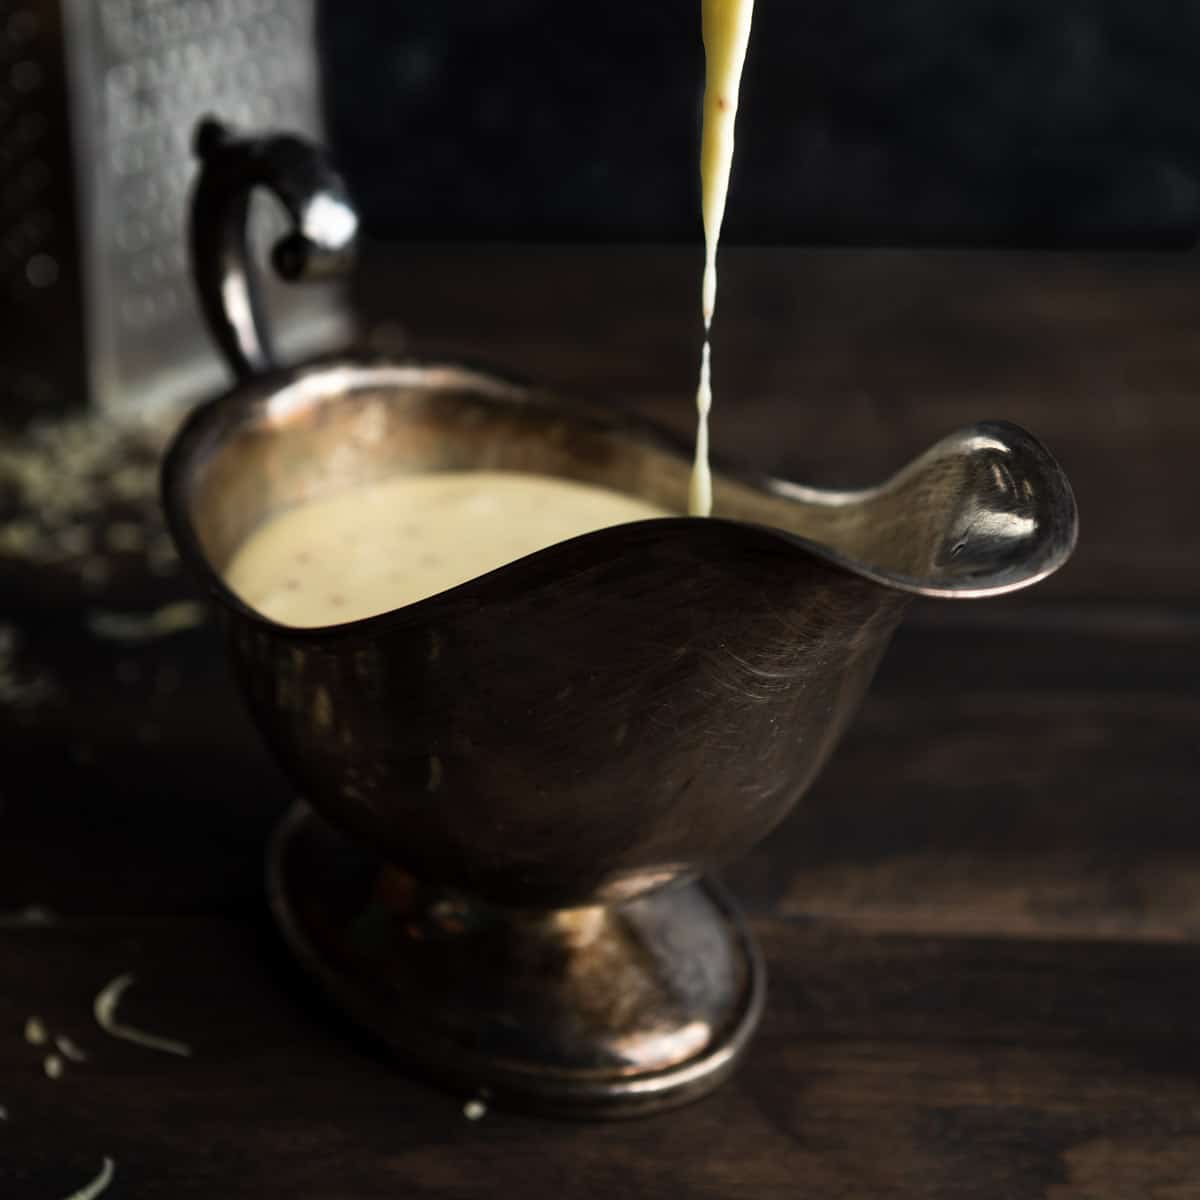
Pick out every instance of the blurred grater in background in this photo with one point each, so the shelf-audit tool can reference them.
(98, 100)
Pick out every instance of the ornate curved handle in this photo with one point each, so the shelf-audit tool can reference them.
(320, 245)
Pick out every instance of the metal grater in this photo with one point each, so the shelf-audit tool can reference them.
(98, 99)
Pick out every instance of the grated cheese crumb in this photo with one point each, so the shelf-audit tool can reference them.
(474, 1110)
(105, 1010)
(78, 482)
(100, 1184)
(68, 1049)
(145, 627)
(53, 1066)
(35, 1031)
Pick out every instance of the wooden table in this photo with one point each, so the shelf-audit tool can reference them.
(979, 925)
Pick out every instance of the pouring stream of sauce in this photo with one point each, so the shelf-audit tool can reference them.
(726, 29)
(386, 544)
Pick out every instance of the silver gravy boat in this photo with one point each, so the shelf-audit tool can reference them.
(522, 781)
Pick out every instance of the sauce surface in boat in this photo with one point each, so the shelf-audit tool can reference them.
(383, 545)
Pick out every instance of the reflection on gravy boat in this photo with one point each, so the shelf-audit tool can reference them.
(380, 546)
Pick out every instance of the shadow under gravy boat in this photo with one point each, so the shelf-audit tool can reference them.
(522, 780)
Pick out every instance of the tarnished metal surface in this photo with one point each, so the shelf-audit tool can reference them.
(616, 709)
(580, 728)
(598, 1011)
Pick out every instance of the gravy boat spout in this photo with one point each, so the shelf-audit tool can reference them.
(984, 511)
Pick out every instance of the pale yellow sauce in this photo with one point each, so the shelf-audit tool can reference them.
(383, 545)
(726, 30)
(388, 544)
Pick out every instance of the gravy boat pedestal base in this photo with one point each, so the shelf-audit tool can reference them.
(607, 1010)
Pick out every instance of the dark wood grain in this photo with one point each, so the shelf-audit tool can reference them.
(836, 367)
(981, 925)
(1008, 781)
(886, 1066)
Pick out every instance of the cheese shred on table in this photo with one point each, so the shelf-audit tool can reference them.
(100, 1184)
(105, 1009)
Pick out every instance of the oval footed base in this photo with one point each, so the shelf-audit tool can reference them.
(609, 1011)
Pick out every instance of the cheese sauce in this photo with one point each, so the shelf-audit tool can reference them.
(726, 30)
(374, 548)
(384, 545)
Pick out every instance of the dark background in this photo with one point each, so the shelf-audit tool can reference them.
(1038, 122)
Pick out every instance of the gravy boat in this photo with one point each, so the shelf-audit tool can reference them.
(522, 781)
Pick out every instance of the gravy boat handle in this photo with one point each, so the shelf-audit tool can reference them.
(320, 245)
